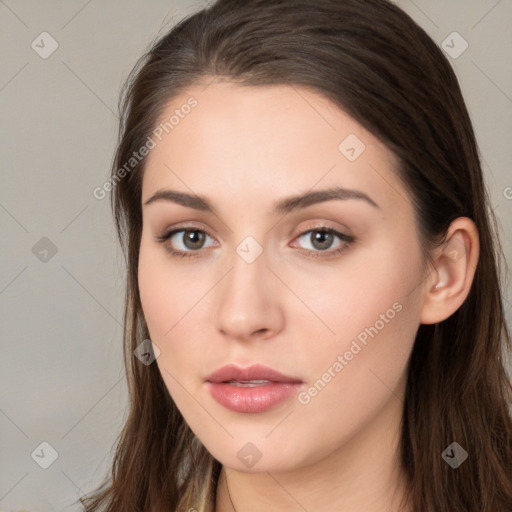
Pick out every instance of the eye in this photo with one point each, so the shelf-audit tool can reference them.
(323, 240)
(184, 242)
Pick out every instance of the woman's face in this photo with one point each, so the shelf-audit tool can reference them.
(257, 280)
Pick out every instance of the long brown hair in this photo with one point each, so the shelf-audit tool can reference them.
(373, 61)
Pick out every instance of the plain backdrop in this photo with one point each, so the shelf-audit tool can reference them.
(61, 275)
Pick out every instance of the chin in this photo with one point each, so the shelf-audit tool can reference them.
(257, 457)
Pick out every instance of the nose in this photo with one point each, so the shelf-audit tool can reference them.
(248, 304)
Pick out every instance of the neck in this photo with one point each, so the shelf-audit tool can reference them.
(364, 473)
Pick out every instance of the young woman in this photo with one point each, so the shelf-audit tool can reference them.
(311, 251)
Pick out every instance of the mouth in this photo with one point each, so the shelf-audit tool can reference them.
(248, 383)
(254, 389)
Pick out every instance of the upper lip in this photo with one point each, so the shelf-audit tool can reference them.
(232, 372)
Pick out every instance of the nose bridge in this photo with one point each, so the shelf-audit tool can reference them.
(247, 302)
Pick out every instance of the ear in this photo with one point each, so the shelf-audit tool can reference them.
(449, 282)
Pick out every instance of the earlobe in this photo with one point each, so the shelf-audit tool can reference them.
(452, 276)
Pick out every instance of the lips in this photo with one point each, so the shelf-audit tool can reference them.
(232, 373)
(254, 389)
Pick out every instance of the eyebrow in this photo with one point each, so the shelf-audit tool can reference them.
(282, 206)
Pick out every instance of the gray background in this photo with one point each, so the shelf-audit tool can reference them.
(61, 367)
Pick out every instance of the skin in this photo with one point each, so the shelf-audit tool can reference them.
(245, 148)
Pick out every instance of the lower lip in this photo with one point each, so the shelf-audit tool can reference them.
(252, 399)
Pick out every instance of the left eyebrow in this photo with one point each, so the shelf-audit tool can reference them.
(282, 206)
(304, 200)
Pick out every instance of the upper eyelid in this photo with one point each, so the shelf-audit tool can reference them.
(173, 230)
(318, 226)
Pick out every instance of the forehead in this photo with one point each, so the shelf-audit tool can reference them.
(266, 140)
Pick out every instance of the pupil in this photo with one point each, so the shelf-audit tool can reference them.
(323, 238)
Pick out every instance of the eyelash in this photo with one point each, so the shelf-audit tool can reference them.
(348, 239)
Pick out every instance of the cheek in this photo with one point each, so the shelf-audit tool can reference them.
(370, 316)
(166, 295)
(374, 311)
(173, 313)
(352, 384)
(173, 306)
(372, 289)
